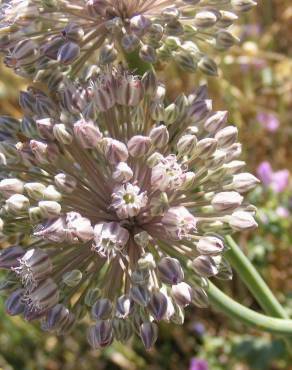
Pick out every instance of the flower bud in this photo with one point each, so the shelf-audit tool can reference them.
(115, 151)
(186, 145)
(244, 182)
(206, 147)
(45, 128)
(51, 193)
(87, 134)
(101, 334)
(147, 261)
(62, 134)
(243, 5)
(149, 82)
(205, 19)
(186, 61)
(124, 306)
(72, 278)
(130, 42)
(210, 245)
(208, 66)
(73, 32)
(10, 187)
(122, 329)
(154, 159)
(226, 136)
(14, 304)
(182, 293)
(226, 200)
(205, 266)
(107, 54)
(170, 271)
(139, 145)
(45, 295)
(9, 257)
(56, 317)
(49, 209)
(241, 221)
(225, 39)
(91, 296)
(159, 136)
(148, 54)
(158, 305)
(129, 92)
(199, 110)
(148, 334)
(216, 121)
(35, 190)
(25, 52)
(200, 297)
(140, 295)
(122, 173)
(170, 114)
(65, 183)
(29, 127)
(17, 204)
(102, 309)
(234, 167)
(142, 239)
(35, 215)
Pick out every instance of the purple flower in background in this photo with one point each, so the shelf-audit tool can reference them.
(282, 212)
(278, 180)
(199, 329)
(198, 364)
(268, 121)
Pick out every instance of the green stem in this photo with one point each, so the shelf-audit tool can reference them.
(136, 64)
(247, 316)
(254, 281)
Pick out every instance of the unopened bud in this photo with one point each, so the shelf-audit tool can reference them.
(10, 187)
(49, 209)
(17, 203)
(158, 305)
(101, 334)
(72, 278)
(139, 145)
(170, 271)
(226, 200)
(102, 309)
(65, 183)
(241, 221)
(159, 136)
(210, 245)
(205, 266)
(148, 334)
(216, 121)
(62, 134)
(244, 182)
(182, 293)
(87, 133)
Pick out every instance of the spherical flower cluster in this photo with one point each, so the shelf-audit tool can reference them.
(121, 203)
(37, 34)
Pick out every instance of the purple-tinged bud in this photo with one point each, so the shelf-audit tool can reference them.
(101, 334)
(35, 190)
(159, 136)
(10, 187)
(29, 128)
(157, 110)
(199, 110)
(187, 145)
(150, 83)
(27, 102)
(65, 183)
(107, 54)
(148, 334)
(115, 151)
(62, 134)
(244, 182)
(225, 39)
(17, 204)
(241, 221)
(208, 66)
(49, 208)
(205, 266)
(45, 128)
(87, 134)
(25, 52)
(140, 295)
(139, 24)
(158, 305)
(44, 296)
(129, 92)
(67, 326)
(226, 19)
(206, 147)
(139, 145)
(233, 167)
(226, 200)
(34, 266)
(226, 136)
(44, 152)
(68, 52)
(205, 19)
(216, 121)
(73, 32)
(9, 257)
(72, 278)
(14, 304)
(102, 309)
(122, 329)
(210, 245)
(243, 5)
(124, 306)
(182, 293)
(130, 42)
(91, 296)
(56, 317)
(170, 271)
(122, 173)
(140, 277)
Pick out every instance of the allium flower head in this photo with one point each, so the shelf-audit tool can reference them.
(38, 34)
(121, 203)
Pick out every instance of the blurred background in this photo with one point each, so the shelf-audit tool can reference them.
(257, 91)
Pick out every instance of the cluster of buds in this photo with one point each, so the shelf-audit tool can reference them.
(36, 35)
(122, 203)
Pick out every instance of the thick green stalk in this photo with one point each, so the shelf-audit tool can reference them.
(253, 281)
(247, 316)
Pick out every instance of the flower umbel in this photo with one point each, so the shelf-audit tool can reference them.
(121, 203)
(35, 35)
